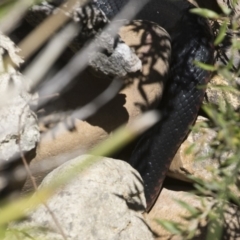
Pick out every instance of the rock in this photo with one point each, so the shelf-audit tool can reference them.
(235, 8)
(226, 52)
(141, 92)
(120, 59)
(18, 123)
(167, 208)
(196, 163)
(105, 201)
(188, 163)
(224, 97)
(15, 112)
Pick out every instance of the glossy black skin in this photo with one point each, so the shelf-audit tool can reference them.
(180, 104)
(183, 95)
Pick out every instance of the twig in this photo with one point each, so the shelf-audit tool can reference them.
(14, 16)
(45, 30)
(24, 160)
(39, 66)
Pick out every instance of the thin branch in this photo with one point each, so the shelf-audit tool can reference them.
(25, 163)
(14, 16)
(46, 29)
(43, 62)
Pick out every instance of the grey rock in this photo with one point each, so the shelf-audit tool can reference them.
(119, 61)
(18, 124)
(220, 96)
(199, 161)
(19, 131)
(168, 208)
(235, 7)
(225, 52)
(105, 201)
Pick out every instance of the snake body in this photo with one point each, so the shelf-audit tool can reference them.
(191, 40)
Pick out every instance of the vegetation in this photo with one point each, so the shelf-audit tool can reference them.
(222, 190)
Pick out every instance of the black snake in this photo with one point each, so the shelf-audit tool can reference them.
(191, 40)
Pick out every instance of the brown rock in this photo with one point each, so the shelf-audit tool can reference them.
(142, 91)
(196, 162)
(167, 208)
(216, 95)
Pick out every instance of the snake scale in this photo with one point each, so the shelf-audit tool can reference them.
(182, 97)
